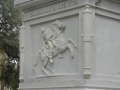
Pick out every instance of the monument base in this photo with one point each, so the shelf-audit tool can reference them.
(75, 89)
(71, 85)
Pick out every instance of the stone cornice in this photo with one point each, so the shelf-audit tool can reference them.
(26, 4)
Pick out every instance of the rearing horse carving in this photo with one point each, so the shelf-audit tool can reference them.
(54, 44)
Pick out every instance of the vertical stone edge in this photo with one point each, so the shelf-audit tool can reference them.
(22, 52)
(87, 40)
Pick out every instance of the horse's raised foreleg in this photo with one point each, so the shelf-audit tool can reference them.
(64, 48)
(70, 40)
(72, 52)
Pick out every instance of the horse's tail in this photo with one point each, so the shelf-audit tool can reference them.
(36, 60)
(37, 57)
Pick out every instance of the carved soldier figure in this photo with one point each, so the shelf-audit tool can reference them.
(47, 35)
(53, 37)
(58, 28)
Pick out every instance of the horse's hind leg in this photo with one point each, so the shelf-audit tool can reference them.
(46, 61)
(51, 70)
(44, 70)
(48, 66)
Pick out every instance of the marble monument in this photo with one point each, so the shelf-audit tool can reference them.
(69, 45)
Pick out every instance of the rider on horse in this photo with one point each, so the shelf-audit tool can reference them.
(53, 36)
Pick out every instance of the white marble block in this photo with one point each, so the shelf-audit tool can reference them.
(70, 45)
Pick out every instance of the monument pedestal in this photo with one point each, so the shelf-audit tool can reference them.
(70, 45)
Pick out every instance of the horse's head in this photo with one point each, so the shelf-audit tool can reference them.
(59, 25)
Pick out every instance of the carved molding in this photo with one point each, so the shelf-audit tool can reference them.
(28, 4)
(54, 44)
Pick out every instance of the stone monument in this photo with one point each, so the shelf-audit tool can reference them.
(69, 45)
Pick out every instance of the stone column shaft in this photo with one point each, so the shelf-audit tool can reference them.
(87, 32)
(22, 52)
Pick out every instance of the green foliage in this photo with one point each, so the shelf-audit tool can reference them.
(9, 33)
(10, 13)
(10, 74)
(9, 45)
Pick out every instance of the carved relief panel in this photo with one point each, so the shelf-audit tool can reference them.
(55, 48)
(54, 44)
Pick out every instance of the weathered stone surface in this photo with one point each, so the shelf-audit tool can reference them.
(70, 44)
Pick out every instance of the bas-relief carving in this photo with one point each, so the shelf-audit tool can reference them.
(54, 44)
